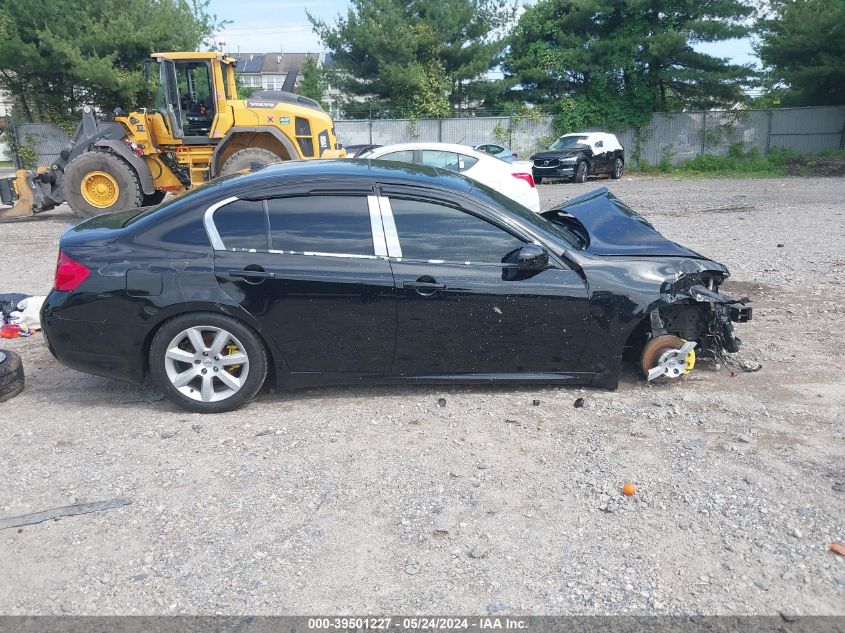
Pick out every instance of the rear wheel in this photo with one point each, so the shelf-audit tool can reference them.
(580, 173)
(99, 181)
(618, 166)
(208, 363)
(538, 180)
(243, 160)
(11, 375)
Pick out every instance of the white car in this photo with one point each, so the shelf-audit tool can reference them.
(513, 180)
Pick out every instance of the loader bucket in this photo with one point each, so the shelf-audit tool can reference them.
(20, 193)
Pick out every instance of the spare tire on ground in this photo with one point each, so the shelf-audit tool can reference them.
(11, 375)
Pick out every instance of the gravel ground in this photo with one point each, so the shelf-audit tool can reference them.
(377, 500)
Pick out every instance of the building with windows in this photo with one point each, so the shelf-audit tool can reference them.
(280, 71)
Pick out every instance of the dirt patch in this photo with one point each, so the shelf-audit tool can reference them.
(816, 166)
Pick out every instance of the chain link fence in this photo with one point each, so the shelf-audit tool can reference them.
(676, 136)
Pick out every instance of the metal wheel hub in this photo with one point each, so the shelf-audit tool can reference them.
(206, 363)
(674, 363)
(100, 189)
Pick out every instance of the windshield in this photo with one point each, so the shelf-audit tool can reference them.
(565, 142)
(529, 217)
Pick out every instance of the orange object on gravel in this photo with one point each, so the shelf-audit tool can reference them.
(836, 548)
(629, 489)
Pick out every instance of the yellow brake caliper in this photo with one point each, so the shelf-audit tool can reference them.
(690, 361)
(231, 348)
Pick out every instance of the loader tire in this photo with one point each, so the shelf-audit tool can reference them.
(154, 198)
(11, 375)
(99, 181)
(242, 160)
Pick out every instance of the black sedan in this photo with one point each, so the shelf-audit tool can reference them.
(342, 271)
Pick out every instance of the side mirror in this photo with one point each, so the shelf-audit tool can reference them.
(533, 257)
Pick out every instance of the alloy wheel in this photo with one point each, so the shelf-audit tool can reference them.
(206, 363)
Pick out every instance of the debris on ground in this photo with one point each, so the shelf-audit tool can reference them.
(578, 403)
(629, 489)
(836, 548)
(64, 511)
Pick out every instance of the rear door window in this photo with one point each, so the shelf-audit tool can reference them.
(242, 225)
(429, 231)
(334, 225)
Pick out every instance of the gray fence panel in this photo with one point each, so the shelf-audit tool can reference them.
(352, 132)
(531, 135)
(47, 140)
(810, 130)
(679, 136)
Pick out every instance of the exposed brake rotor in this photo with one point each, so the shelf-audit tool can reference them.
(667, 356)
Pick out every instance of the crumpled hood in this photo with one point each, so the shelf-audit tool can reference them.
(560, 153)
(614, 228)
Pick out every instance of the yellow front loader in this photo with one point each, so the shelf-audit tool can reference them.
(199, 130)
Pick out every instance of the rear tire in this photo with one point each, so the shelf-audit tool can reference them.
(580, 173)
(538, 180)
(197, 376)
(618, 166)
(11, 375)
(110, 184)
(243, 159)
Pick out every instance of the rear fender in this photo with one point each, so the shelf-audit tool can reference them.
(234, 311)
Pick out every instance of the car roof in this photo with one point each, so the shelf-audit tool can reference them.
(345, 169)
(592, 136)
(441, 147)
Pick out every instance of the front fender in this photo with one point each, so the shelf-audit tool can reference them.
(121, 149)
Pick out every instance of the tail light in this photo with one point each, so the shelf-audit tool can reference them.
(69, 273)
(526, 177)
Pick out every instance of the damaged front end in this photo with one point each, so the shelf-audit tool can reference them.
(692, 310)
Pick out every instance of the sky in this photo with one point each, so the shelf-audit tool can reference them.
(265, 26)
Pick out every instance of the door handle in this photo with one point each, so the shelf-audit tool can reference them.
(423, 285)
(251, 275)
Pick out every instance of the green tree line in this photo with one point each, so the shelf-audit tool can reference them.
(599, 62)
(61, 54)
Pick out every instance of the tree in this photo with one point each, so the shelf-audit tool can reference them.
(802, 47)
(313, 82)
(613, 62)
(71, 52)
(414, 58)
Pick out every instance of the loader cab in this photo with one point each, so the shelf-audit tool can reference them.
(193, 95)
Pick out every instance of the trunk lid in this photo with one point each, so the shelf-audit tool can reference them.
(98, 230)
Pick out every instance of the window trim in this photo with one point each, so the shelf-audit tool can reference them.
(391, 236)
(211, 228)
